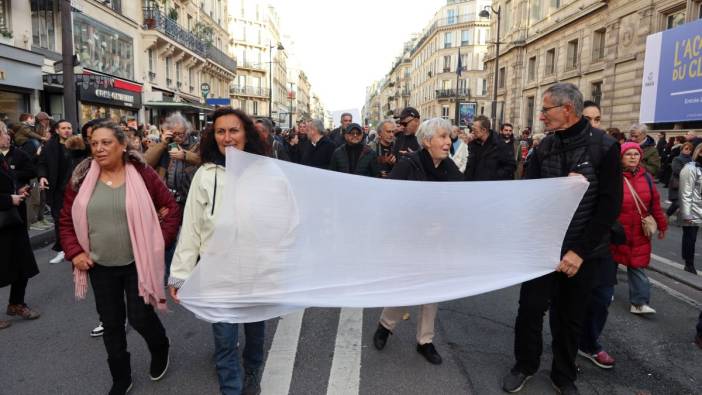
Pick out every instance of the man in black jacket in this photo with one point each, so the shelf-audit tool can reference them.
(489, 158)
(576, 149)
(354, 157)
(406, 142)
(317, 150)
(22, 167)
(337, 135)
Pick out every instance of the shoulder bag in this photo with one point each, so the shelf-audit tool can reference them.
(648, 223)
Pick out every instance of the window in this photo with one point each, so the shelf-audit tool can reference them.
(596, 92)
(445, 112)
(501, 78)
(447, 40)
(463, 87)
(177, 76)
(114, 4)
(150, 53)
(550, 67)
(102, 48)
(536, 10)
(447, 64)
(445, 85)
(572, 60)
(465, 37)
(699, 11)
(43, 31)
(255, 107)
(464, 62)
(190, 22)
(531, 69)
(168, 70)
(191, 80)
(556, 4)
(530, 112)
(598, 44)
(507, 18)
(451, 17)
(675, 19)
(5, 16)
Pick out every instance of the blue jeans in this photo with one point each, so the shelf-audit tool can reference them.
(639, 287)
(595, 319)
(227, 353)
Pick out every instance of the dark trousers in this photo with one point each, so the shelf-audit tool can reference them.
(568, 299)
(674, 206)
(112, 285)
(17, 291)
(688, 244)
(595, 318)
(56, 204)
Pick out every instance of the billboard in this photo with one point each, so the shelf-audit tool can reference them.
(671, 89)
(466, 113)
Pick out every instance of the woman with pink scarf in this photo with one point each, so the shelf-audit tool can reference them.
(111, 231)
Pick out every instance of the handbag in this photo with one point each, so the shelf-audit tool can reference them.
(10, 218)
(648, 223)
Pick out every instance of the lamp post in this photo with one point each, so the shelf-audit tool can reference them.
(291, 96)
(270, 76)
(486, 14)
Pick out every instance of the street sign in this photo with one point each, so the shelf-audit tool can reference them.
(205, 88)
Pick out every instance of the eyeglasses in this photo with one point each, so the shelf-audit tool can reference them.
(355, 133)
(405, 123)
(544, 110)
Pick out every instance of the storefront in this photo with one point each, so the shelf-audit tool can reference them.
(20, 78)
(101, 96)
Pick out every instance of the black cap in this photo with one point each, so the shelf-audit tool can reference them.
(409, 112)
(353, 126)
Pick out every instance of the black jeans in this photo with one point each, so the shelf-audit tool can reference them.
(674, 206)
(56, 205)
(688, 244)
(17, 290)
(568, 300)
(111, 285)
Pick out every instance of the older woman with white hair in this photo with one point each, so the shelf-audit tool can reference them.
(651, 160)
(430, 163)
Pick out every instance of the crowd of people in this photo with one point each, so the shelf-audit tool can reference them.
(110, 188)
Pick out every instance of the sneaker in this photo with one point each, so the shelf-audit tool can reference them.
(98, 331)
(429, 352)
(252, 382)
(565, 389)
(120, 387)
(4, 324)
(380, 338)
(642, 309)
(514, 381)
(159, 362)
(58, 258)
(23, 311)
(600, 359)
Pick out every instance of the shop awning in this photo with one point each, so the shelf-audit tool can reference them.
(178, 105)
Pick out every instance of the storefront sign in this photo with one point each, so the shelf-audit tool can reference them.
(106, 91)
(672, 81)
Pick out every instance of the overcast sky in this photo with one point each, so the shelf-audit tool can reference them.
(343, 45)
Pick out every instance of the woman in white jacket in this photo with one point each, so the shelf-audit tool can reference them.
(690, 196)
(459, 150)
(230, 128)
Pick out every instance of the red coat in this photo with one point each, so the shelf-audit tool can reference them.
(636, 252)
(160, 196)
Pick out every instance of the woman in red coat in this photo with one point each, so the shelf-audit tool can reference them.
(635, 254)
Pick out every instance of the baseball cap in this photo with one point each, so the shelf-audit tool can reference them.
(409, 112)
(353, 126)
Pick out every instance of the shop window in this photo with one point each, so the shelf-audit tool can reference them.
(43, 30)
(102, 48)
(13, 104)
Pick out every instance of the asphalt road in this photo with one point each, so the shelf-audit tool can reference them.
(55, 355)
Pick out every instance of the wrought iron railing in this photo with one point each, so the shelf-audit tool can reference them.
(248, 90)
(217, 56)
(448, 93)
(157, 20)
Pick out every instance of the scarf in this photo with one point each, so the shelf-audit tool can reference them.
(433, 173)
(147, 244)
(353, 151)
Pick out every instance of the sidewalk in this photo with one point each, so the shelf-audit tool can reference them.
(41, 238)
(674, 270)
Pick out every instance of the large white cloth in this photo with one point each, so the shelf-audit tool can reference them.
(291, 237)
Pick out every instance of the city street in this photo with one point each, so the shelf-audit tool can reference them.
(313, 355)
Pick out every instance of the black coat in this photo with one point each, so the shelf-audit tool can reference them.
(318, 155)
(48, 166)
(337, 137)
(17, 260)
(367, 162)
(490, 161)
(411, 167)
(24, 170)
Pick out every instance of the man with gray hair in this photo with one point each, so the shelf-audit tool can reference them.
(575, 148)
(382, 146)
(651, 160)
(317, 150)
(337, 135)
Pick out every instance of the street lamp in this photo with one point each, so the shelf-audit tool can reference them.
(279, 47)
(486, 14)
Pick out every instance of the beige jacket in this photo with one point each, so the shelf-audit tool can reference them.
(153, 155)
(198, 221)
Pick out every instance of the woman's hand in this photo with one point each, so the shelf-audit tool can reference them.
(83, 262)
(661, 234)
(17, 199)
(174, 294)
(162, 213)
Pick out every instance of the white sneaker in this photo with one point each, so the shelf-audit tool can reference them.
(643, 309)
(58, 258)
(98, 331)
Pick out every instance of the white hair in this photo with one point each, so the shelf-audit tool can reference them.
(430, 127)
(381, 125)
(640, 127)
(177, 119)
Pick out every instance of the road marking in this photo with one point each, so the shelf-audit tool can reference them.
(676, 294)
(669, 262)
(278, 371)
(345, 375)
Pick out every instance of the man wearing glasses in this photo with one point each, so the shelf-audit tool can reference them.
(406, 142)
(354, 157)
(575, 148)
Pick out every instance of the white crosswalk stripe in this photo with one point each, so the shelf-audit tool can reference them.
(278, 370)
(344, 378)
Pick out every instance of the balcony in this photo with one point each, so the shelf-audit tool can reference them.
(450, 93)
(252, 66)
(220, 58)
(154, 19)
(248, 91)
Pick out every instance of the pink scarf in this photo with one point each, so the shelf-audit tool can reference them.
(147, 243)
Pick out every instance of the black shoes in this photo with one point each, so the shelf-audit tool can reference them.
(380, 338)
(159, 362)
(120, 387)
(429, 352)
(565, 389)
(690, 269)
(252, 382)
(121, 371)
(514, 381)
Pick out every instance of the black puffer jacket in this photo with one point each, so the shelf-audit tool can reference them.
(417, 166)
(490, 161)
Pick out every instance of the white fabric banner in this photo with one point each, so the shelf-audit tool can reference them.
(291, 236)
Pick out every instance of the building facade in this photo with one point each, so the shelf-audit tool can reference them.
(597, 45)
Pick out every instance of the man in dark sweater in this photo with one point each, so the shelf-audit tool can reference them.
(489, 158)
(337, 135)
(317, 150)
(576, 149)
(406, 142)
